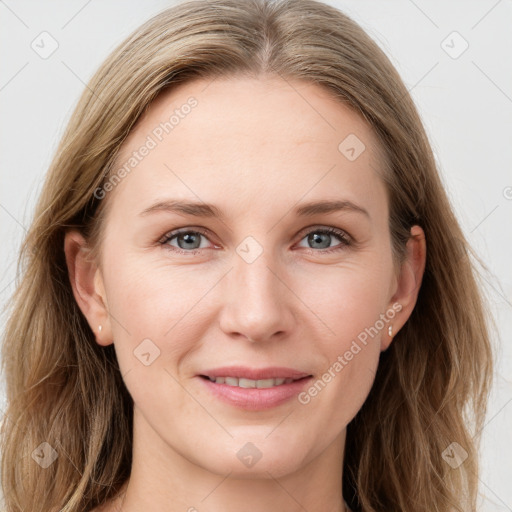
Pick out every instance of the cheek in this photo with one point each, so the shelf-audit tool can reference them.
(351, 305)
(153, 310)
(175, 306)
(163, 302)
(148, 309)
(153, 298)
(346, 299)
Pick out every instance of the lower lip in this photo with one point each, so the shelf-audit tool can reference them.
(256, 399)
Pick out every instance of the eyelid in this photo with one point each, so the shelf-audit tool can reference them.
(189, 229)
(305, 231)
(346, 240)
(331, 229)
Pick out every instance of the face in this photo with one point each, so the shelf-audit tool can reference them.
(253, 277)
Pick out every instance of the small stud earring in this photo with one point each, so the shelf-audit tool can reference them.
(390, 331)
(100, 327)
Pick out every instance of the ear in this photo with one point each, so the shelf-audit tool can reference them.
(408, 283)
(87, 284)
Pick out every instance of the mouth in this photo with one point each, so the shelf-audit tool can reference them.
(242, 382)
(253, 389)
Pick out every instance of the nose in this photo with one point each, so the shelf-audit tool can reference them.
(257, 302)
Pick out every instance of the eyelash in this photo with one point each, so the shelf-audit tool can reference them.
(343, 237)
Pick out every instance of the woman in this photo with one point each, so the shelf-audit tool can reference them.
(227, 301)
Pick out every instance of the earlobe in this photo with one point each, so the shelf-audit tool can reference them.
(408, 282)
(87, 285)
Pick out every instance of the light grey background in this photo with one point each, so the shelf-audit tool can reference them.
(465, 101)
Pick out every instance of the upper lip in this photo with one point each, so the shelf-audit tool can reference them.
(245, 372)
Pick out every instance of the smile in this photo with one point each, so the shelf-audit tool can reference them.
(242, 382)
(254, 395)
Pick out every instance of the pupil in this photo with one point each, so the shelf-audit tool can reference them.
(189, 238)
(317, 239)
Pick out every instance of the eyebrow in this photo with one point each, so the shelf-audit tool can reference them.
(209, 210)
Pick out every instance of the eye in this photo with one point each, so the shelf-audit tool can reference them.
(188, 241)
(321, 238)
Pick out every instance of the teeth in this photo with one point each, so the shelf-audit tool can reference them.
(231, 381)
(250, 383)
(267, 383)
(246, 383)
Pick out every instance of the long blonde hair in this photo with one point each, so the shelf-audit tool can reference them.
(432, 384)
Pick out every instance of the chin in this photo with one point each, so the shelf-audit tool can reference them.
(262, 458)
(263, 469)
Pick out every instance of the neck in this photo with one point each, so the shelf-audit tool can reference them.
(165, 480)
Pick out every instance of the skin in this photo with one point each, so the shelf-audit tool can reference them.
(255, 148)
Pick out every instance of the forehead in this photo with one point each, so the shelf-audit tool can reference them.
(254, 108)
(245, 136)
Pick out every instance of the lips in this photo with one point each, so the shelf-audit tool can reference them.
(242, 382)
(244, 372)
(252, 388)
